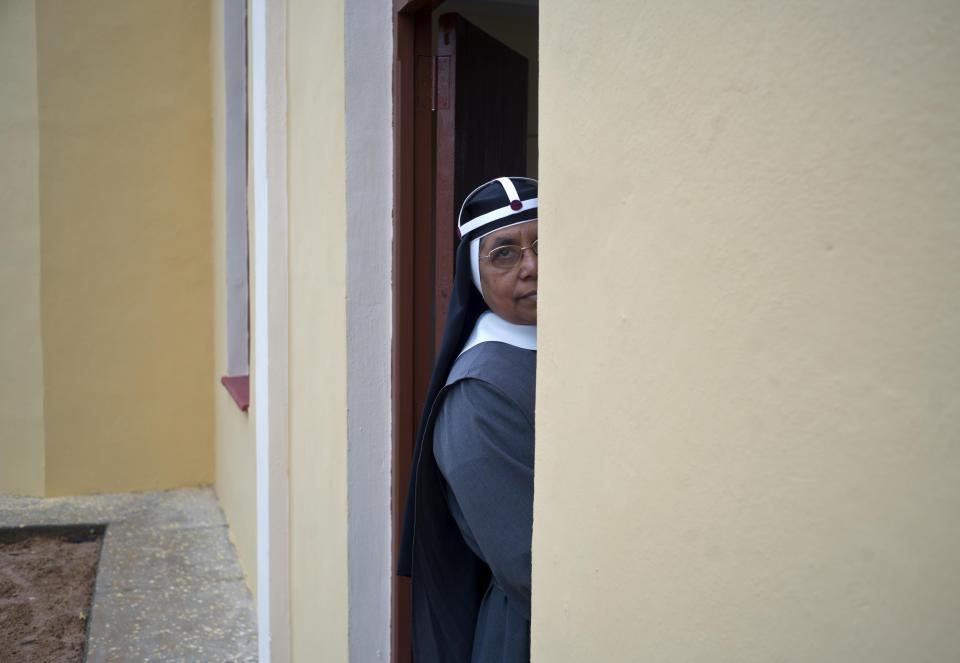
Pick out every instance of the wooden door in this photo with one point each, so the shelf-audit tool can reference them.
(481, 120)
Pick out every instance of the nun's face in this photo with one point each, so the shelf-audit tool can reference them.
(511, 293)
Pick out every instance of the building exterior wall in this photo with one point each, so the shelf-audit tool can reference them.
(234, 440)
(21, 348)
(748, 371)
(317, 330)
(125, 205)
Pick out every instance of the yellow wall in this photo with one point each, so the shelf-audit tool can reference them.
(318, 418)
(754, 287)
(235, 444)
(21, 351)
(125, 204)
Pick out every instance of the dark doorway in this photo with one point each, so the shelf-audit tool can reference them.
(465, 89)
(480, 129)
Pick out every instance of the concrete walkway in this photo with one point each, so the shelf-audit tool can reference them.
(169, 587)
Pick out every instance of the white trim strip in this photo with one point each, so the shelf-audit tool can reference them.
(261, 270)
(509, 188)
(268, 129)
(489, 217)
(368, 67)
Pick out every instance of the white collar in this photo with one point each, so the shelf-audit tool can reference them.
(491, 327)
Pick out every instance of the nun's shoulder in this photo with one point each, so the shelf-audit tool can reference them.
(510, 369)
(492, 361)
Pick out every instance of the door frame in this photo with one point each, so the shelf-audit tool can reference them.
(412, 324)
(368, 127)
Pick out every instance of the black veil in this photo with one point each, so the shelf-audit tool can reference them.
(466, 305)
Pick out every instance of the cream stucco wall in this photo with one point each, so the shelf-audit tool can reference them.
(125, 204)
(753, 287)
(21, 349)
(317, 330)
(234, 441)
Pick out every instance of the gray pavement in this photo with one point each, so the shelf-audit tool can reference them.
(169, 586)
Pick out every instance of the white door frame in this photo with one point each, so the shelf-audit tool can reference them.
(270, 305)
(368, 44)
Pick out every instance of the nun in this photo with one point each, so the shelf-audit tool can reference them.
(469, 513)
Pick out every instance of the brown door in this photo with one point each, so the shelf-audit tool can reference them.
(481, 116)
(461, 118)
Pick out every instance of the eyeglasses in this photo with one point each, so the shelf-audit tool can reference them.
(509, 256)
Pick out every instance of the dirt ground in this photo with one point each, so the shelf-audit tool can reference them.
(46, 585)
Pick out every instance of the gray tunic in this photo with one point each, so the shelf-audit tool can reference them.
(483, 441)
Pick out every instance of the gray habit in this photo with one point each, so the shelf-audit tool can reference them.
(483, 441)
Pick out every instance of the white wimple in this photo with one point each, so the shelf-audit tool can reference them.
(491, 327)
